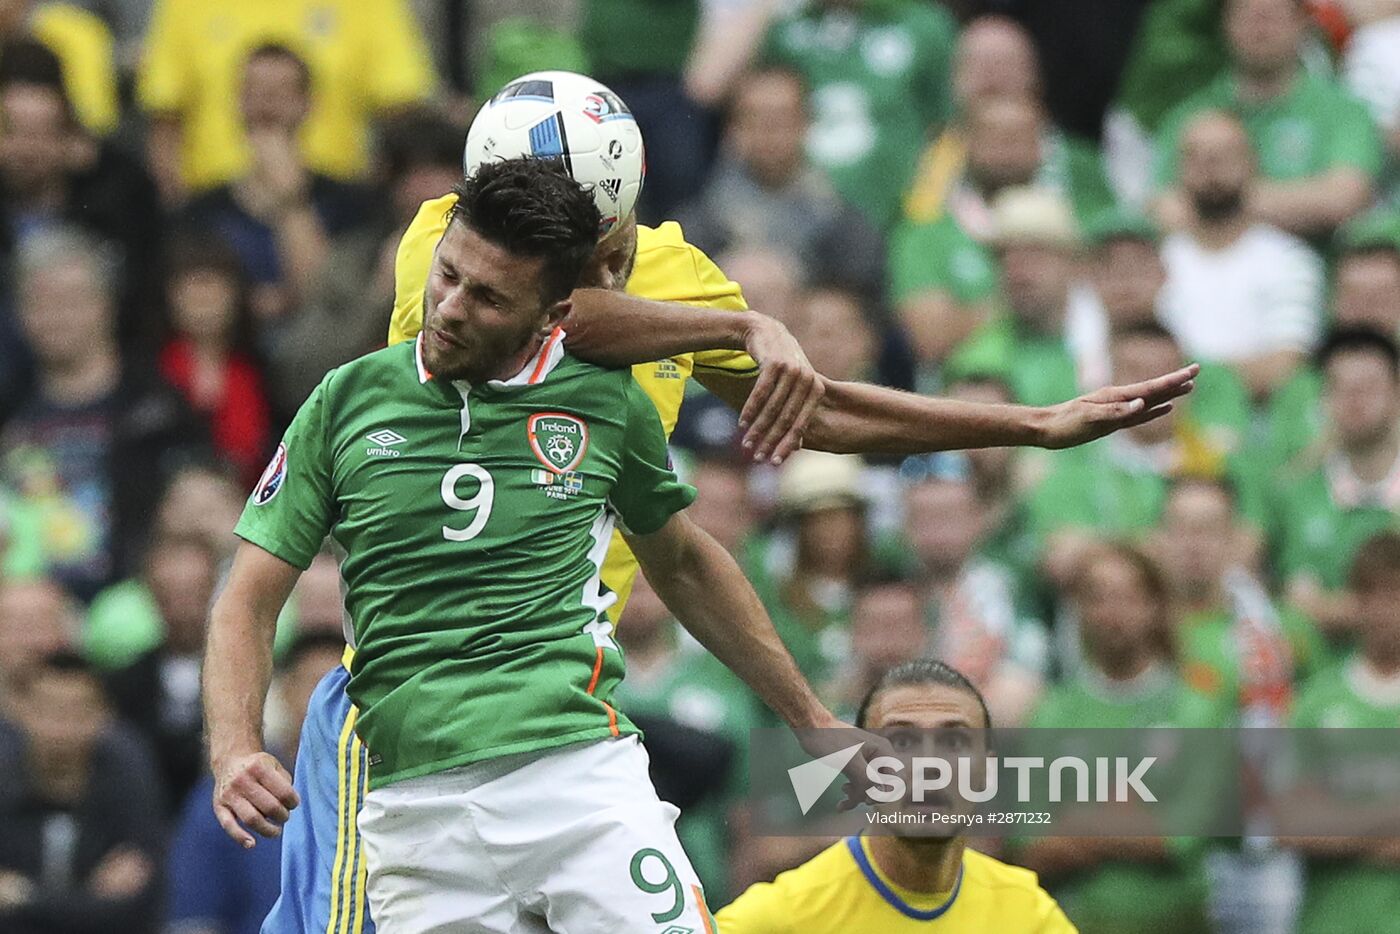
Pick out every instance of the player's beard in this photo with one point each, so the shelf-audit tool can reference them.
(481, 356)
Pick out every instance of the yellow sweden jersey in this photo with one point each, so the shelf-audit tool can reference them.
(668, 269)
(840, 891)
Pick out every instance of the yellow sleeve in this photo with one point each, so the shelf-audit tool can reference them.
(84, 48)
(400, 71)
(164, 84)
(411, 264)
(669, 269)
(762, 909)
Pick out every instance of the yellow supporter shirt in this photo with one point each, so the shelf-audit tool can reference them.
(840, 891)
(668, 269)
(364, 55)
(83, 45)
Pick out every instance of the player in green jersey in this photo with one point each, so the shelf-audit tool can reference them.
(472, 478)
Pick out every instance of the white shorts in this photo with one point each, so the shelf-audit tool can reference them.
(573, 841)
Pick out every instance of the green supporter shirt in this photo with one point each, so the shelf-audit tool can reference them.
(1347, 896)
(879, 82)
(474, 521)
(1038, 367)
(1294, 419)
(639, 37)
(1139, 897)
(939, 256)
(1315, 536)
(1210, 652)
(1314, 127)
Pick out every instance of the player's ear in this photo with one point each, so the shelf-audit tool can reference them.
(556, 313)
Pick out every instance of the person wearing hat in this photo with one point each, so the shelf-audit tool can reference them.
(821, 510)
(1037, 242)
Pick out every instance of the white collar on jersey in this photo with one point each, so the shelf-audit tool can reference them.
(539, 367)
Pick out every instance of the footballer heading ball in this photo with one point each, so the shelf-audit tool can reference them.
(572, 118)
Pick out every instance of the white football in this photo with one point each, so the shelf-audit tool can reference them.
(571, 117)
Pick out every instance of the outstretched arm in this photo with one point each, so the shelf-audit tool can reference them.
(251, 788)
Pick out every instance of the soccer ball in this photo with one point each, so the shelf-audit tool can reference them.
(571, 117)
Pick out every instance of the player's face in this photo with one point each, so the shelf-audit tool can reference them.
(931, 720)
(482, 307)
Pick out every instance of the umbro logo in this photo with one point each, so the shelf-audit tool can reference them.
(384, 440)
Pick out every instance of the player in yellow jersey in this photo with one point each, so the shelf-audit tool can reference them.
(661, 306)
(899, 884)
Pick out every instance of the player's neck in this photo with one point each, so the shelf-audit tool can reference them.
(924, 866)
(512, 364)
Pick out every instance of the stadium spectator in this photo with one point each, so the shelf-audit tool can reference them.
(1244, 653)
(215, 886)
(772, 280)
(1238, 291)
(1351, 882)
(36, 619)
(888, 628)
(640, 49)
(53, 172)
(1127, 679)
(822, 507)
(203, 500)
(1371, 70)
(1319, 151)
(279, 214)
(1037, 243)
(208, 354)
(994, 58)
(81, 810)
(317, 600)
(1239, 647)
(763, 191)
(979, 620)
(1346, 487)
(834, 328)
(878, 74)
(697, 717)
(88, 446)
(83, 47)
(21, 541)
(159, 693)
(366, 58)
(721, 504)
(1117, 486)
(1365, 280)
(341, 316)
(1124, 270)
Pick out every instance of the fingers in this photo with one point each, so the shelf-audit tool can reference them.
(768, 415)
(1168, 386)
(785, 436)
(758, 398)
(231, 827)
(249, 816)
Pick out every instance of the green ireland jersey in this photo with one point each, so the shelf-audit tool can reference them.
(473, 520)
(1322, 518)
(1349, 896)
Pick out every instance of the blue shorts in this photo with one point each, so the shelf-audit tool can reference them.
(323, 870)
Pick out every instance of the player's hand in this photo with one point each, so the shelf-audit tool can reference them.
(837, 735)
(786, 395)
(1113, 408)
(253, 792)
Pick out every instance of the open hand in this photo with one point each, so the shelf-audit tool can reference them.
(1114, 408)
(786, 395)
(253, 791)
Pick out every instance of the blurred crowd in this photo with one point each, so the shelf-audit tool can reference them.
(994, 200)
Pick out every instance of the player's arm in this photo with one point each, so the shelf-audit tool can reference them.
(251, 788)
(700, 583)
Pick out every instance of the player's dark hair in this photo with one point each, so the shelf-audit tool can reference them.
(1376, 562)
(1360, 340)
(532, 207)
(276, 50)
(921, 672)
